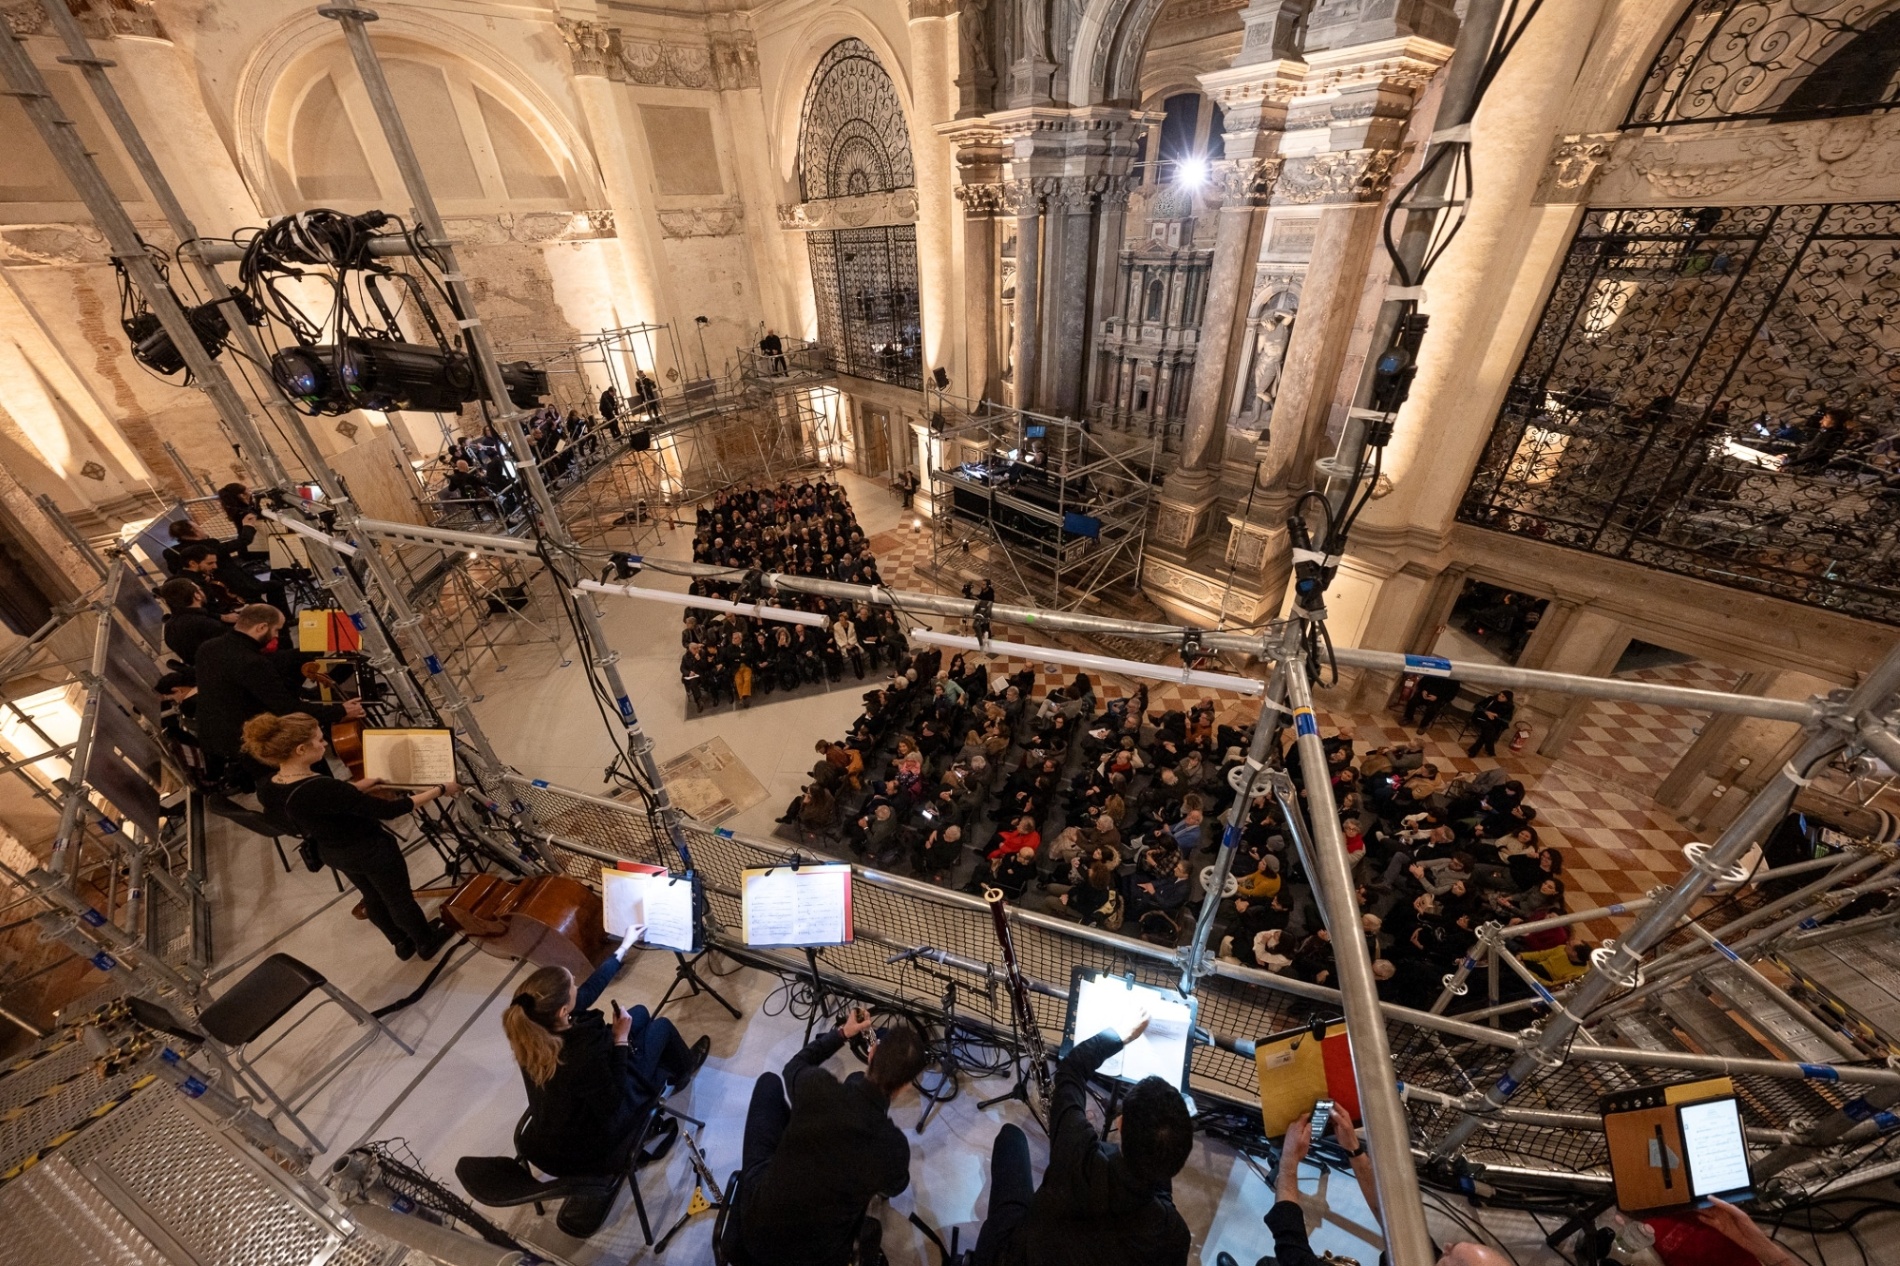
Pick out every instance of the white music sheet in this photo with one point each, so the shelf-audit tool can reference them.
(809, 906)
(1109, 1002)
(659, 903)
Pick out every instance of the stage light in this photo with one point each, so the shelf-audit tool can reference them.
(1191, 171)
(379, 374)
(785, 615)
(1100, 663)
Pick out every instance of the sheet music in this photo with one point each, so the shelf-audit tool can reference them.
(1712, 1144)
(409, 758)
(811, 906)
(659, 904)
(1109, 1002)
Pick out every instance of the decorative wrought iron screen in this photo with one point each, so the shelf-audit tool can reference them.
(866, 284)
(1668, 409)
(852, 138)
(1772, 59)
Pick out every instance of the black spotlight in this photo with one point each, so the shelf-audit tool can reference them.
(526, 384)
(152, 344)
(380, 374)
(941, 377)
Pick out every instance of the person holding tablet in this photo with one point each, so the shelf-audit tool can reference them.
(1098, 1205)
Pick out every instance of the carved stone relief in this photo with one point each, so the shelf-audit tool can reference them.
(531, 228)
(1173, 526)
(1337, 176)
(1573, 166)
(895, 206)
(1817, 161)
(101, 19)
(53, 245)
(597, 49)
(981, 199)
(714, 221)
(1247, 182)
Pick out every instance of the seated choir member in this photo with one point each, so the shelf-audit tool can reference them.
(809, 1168)
(345, 823)
(590, 1083)
(1098, 1205)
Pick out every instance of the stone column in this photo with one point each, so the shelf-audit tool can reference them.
(1066, 293)
(934, 56)
(1254, 99)
(780, 255)
(977, 366)
(595, 50)
(1024, 201)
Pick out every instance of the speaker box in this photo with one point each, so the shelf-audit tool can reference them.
(640, 441)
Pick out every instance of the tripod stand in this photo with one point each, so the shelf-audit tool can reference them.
(1025, 1069)
(686, 973)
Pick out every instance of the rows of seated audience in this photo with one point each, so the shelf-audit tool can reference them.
(956, 774)
(799, 529)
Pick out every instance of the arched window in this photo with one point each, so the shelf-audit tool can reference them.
(480, 144)
(853, 143)
(1773, 59)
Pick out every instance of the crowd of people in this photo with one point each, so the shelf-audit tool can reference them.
(802, 528)
(481, 477)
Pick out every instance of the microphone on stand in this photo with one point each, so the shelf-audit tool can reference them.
(908, 955)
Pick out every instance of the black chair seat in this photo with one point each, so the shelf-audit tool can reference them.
(505, 1181)
(265, 995)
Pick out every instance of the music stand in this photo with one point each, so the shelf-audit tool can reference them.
(686, 963)
(1019, 1091)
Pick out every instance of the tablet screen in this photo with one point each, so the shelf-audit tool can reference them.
(1714, 1148)
(1111, 1002)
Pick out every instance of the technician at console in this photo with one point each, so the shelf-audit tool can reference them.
(1098, 1205)
(812, 1166)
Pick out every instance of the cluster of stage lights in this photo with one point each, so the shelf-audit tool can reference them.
(952, 641)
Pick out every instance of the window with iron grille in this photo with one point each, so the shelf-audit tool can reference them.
(853, 141)
(1773, 59)
(1715, 392)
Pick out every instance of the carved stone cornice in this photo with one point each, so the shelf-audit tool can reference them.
(1337, 176)
(532, 228)
(1247, 182)
(604, 51)
(1822, 160)
(1236, 87)
(722, 220)
(981, 199)
(735, 60)
(1573, 166)
(100, 19)
(867, 210)
(1407, 63)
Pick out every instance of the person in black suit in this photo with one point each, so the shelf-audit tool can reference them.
(1429, 698)
(1098, 1205)
(188, 623)
(1491, 719)
(811, 1166)
(238, 678)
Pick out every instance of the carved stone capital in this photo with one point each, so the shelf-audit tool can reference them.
(981, 200)
(100, 19)
(1573, 166)
(1247, 182)
(735, 60)
(896, 206)
(1077, 194)
(722, 220)
(1337, 176)
(593, 47)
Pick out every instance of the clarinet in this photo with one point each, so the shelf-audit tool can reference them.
(1019, 999)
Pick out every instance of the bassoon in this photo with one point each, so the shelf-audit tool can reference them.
(1026, 1028)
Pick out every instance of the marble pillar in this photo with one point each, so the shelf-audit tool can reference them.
(1253, 98)
(933, 46)
(978, 360)
(1025, 203)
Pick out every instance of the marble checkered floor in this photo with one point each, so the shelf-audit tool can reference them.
(1617, 842)
(1636, 744)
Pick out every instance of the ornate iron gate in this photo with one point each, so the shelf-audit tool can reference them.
(866, 283)
(1668, 409)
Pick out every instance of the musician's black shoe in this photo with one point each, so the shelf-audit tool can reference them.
(440, 934)
(696, 1058)
(405, 950)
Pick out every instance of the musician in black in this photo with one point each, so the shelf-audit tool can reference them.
(189, 624)
(590, 1083)
(1098, 1205)
(811, 1166)
(345, 823)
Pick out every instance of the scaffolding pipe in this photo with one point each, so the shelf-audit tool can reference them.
(1618, 966)
(69, 842)
(1388, 1131)
(1803, 712)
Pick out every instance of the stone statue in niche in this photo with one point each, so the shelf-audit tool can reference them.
(1269, 358)
(973, 25)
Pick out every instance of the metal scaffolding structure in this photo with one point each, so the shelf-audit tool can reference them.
(1037, 504)
(1520, 1106)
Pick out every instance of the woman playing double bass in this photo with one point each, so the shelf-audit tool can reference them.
(345, 823)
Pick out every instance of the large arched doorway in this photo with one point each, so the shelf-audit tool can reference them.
(853, 144)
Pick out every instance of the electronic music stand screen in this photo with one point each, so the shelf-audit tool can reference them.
(1715, 1150)
(1099, 1000)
